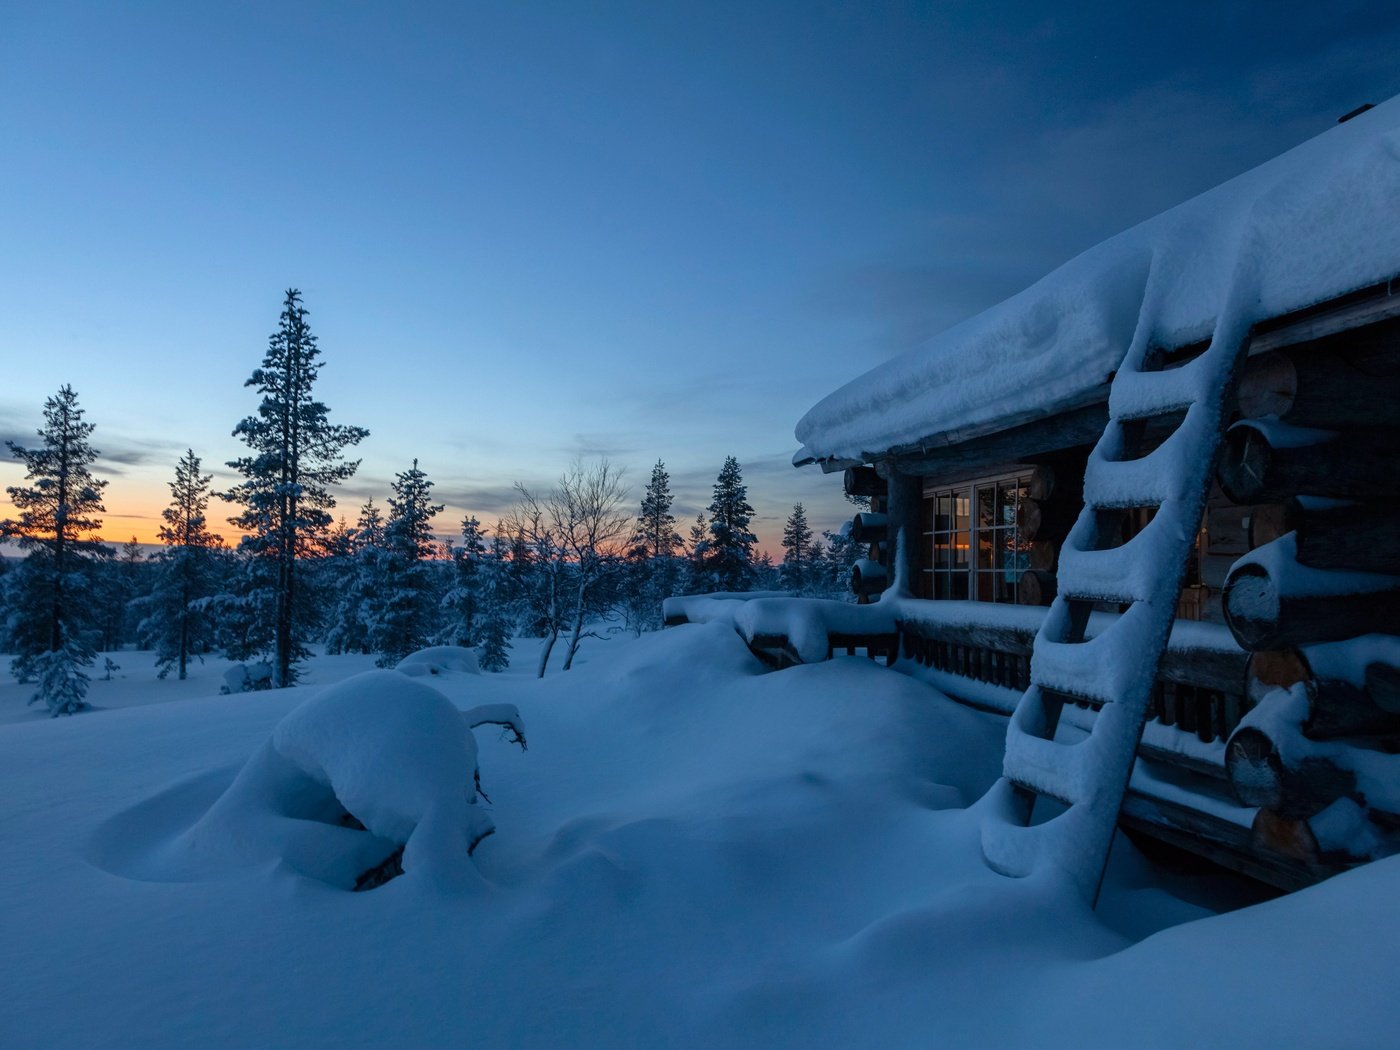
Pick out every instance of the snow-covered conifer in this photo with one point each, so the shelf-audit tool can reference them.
(729, 559)
(406, 600)
(297, 455)
(177, 622)
(798, 552)
(463, 601)
(51, 625)
(496, 621)
(836, 562)
(356, 590)
(697, 547)
(653, 571)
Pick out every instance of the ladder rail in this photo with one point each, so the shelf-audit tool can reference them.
(1118, 667)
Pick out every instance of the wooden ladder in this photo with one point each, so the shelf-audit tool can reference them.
(1115, 670)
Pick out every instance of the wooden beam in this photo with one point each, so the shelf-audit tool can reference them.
(1355, 310)
(902, 517)
(1222, 841)
(1256, 468)
(863, 481)
(957, 461)
(1351, 380)
(1259, 776)
(1263, 614)
(870, 527)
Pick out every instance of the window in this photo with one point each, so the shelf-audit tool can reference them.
(972, 549)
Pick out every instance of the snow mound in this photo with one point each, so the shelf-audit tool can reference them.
(439, 659)
(397, 754)
(808, 623)
(373, 765)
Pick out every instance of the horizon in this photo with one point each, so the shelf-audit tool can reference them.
(526, 236)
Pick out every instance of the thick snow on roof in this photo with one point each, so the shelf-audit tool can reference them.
(1316, 222)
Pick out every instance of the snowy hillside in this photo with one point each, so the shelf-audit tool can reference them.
(692, 852)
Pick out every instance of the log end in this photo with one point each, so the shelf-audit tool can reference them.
(1251, 604)
(1256, 774)
(1282, 835)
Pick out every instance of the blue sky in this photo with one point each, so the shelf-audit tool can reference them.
(532, 231)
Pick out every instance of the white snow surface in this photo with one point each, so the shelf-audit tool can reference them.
(438, 659)
(1312, 224)
(691, 853)
(398, 756)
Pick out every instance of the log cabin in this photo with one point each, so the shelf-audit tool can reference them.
(1194, 425)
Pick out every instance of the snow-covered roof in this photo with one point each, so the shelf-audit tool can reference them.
(1316, 222)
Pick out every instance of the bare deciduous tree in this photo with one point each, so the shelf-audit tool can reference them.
(577, 533)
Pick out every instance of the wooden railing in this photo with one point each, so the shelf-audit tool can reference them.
(1200, 682)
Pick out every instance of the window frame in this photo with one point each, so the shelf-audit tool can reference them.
(973, 576)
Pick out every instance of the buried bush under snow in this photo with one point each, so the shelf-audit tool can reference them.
(379, 751)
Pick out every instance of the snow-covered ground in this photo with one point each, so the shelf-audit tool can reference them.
(692, 852)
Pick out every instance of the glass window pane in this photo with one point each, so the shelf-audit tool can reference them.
(986, 586)
(986, 506)
(958, 586)
(1006, 589)
(962, 506)
(961, 549)
(986, 542)
(1007, 495)
(942, 552)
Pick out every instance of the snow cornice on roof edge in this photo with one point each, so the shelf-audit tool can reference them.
(1315, 223)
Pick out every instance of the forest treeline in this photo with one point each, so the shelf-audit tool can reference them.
(560, 562)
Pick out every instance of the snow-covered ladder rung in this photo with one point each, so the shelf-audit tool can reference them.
(1118, 667)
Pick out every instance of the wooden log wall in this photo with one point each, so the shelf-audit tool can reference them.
(905, 497)
(870, 527)
(1316, 457)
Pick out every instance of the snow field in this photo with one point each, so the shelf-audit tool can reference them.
(691, 853)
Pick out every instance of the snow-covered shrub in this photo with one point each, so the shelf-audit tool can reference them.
(371, 777)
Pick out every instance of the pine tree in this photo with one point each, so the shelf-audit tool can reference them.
(656, 535)
(763, 574)
(697, 549)
(798, 552)
(297, 456)
(404, 621)
(463, 600)
(51, 626)
(653, 571)
(496, 620)
(836, 562)
(729, 559)
(358, 586)
(178, 623)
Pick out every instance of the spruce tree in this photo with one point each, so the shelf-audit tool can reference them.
(798, 552)
(285, 494)
(357, 589)
(51, 625)
(841, 554)
(406, 601)
(177, 623)
(729, 560)
(697, 548)
(653, 570)
(656, 535)
(496, 620)
(463, 600)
